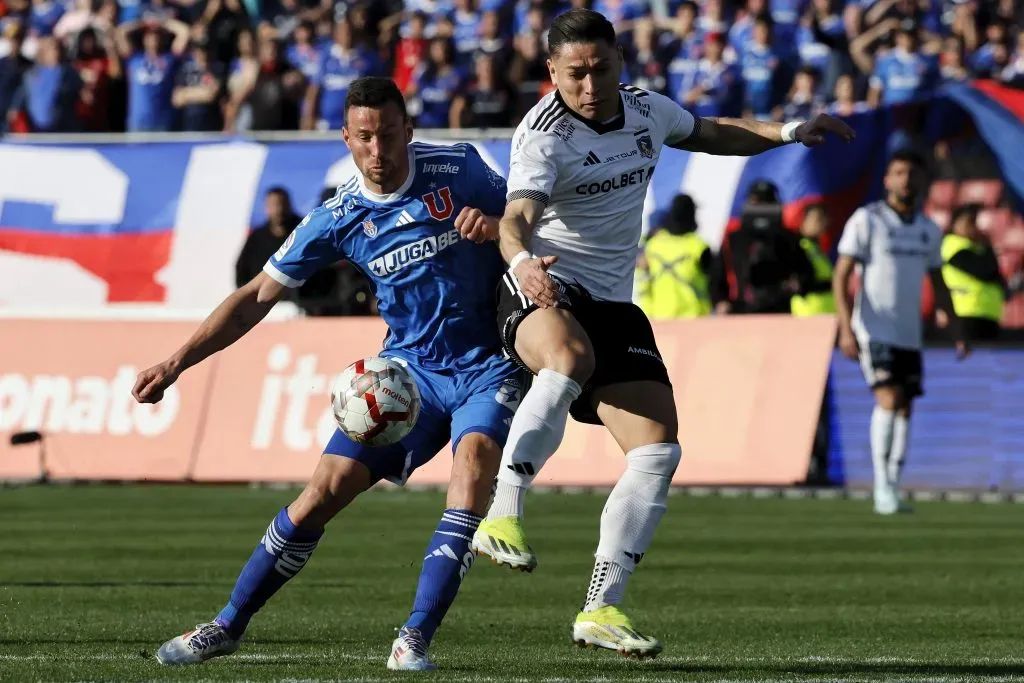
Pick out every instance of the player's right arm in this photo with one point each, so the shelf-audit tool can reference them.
(310, 247)
(228, 323)
(531, 178)
(853, 247)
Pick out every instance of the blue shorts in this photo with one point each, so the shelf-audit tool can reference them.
(453, 404)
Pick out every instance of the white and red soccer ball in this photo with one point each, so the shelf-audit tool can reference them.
(375, 401)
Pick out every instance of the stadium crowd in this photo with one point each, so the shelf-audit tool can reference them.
(238, 65)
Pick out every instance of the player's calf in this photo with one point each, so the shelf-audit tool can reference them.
(553, 345)
(449, 556)
(282, 552)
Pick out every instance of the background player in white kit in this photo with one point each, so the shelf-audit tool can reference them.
(894, 246)
(581, 162)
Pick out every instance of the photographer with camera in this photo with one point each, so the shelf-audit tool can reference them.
(761, 266)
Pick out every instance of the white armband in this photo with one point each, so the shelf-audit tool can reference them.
(789, 131)
(519, 258)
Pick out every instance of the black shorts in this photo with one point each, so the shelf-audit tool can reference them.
(620, 333)
(885, 365)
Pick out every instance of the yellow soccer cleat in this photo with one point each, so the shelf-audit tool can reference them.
(610, 628)
(504, 541)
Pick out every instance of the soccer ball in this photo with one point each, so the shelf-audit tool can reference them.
(375, 401)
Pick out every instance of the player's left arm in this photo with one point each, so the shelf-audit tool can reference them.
(741, 137)
(485, 196)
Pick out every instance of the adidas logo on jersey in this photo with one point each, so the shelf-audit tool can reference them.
(591, 159)
(405, 218)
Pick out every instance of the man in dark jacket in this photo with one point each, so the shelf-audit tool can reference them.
(760, 266)
(267, 238)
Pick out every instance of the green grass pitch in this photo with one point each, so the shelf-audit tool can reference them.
(94, 578)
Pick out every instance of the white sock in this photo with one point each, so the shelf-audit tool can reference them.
(607, 584)
(535, 434)
(631, 515)
(898, 451)
(882, 425)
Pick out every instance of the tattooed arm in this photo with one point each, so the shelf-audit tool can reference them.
(228, 323)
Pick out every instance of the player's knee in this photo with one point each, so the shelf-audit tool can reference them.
(335, 483)
(887, 398)
(658, 459)
(574, 358)
(477, 458)
(478, 454)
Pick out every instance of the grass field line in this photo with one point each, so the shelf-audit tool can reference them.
(291, 657)
(720, 660)
(633, 679)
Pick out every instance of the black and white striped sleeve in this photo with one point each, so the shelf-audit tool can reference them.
(532, 168)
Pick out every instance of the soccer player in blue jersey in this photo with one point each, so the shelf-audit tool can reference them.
(418, 220)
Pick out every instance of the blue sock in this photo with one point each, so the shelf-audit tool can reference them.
(448, 559)
(282, 552)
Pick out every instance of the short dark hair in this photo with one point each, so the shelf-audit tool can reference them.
(810, 71)
(766, 19)
(579, 26)
(965, 211)
(374, 92)
(278, 189)
(909, 156)
(816, 207)
(688, 4)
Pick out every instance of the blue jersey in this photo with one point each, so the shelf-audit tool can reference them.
(306, 58)
(759, 64)
(466, 36)
(684, 65)
(720, 81)
(436, 91)
(338, 68)
(150, 84)
(436, 291)
(44, 16)
(903, 77)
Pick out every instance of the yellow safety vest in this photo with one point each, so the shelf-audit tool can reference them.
(815, 303)
(972, 298)
(676, 287)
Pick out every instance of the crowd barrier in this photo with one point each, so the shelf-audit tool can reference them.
(748, 391)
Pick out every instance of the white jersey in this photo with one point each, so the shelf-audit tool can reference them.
(893, 259)
(593, 179)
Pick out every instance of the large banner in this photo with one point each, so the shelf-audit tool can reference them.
(748, 391)
(162, 223)
(967, 431)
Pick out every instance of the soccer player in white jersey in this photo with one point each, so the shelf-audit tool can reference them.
(581, 162)
(894, 246)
